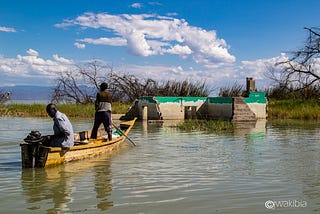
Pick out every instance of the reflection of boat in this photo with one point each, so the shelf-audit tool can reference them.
(55, 189)
(33, 154)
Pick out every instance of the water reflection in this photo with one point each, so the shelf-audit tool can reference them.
(42, 185)
(298, 155)
(252, 129)
(172, 171)
(54, 189)
(103, 186)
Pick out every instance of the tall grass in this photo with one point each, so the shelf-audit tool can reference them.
(24, 110)
(294, 109)
(293, 92)
(235, 90)
(206, 125)
(71, 110)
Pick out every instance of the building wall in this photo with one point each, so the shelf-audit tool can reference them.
(257, 103)
(219, 108)
(172, 111)
(177, 108)
(173, 108)
(150, 104)
(260, 110)
(152, 113)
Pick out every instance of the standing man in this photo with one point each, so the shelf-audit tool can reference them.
(62, 128)
(103, 111)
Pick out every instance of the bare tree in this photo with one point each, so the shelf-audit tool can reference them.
(4, 96)
(302, 69)
(132, 87)
(80, 85)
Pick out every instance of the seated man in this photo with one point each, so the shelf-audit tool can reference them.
(62, 128)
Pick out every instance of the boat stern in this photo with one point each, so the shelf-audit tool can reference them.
(33, 155)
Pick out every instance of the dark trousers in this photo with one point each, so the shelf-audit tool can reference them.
(101, 117)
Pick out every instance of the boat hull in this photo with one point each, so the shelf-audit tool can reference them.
(35, 155)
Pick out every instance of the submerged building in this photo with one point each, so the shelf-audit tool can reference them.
(248, 108)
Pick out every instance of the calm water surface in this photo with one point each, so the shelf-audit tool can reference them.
(171, 171)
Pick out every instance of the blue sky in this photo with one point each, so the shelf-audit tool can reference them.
(220, 41)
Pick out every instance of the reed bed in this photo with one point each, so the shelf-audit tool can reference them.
(206, 125)
(294, 109)
(72, 110)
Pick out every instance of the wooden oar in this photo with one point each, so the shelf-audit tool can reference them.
(124, 134)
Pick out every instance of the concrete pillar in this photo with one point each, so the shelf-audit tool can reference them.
(251, 85)
(144, 112)
(145, 127)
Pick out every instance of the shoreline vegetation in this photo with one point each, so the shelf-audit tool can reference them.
(295, 109)
(206, 125)
(72, 110)
(277, 109)
(308, 109)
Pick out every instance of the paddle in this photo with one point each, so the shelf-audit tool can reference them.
(124, 134)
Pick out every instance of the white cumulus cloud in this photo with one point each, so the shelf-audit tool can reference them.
(258, 68)
(32, 65)
(7, 29)
(62, 60)
(106, 41)
(32, 52)
(136, 5)
(79, 45)
(149, 34)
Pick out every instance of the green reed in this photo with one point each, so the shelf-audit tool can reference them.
(72, 110)
(206, 125)
(294, 109)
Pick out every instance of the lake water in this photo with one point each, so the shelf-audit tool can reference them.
(267, 164)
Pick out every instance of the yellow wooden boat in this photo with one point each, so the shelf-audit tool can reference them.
(36, 155)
